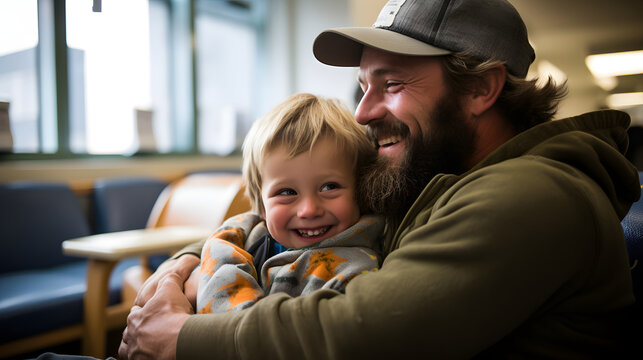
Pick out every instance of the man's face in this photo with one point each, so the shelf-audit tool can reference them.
(400, 92)
(417, 124)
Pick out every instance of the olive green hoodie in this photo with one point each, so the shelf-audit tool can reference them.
(522, 256)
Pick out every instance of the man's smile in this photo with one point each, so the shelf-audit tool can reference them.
(390, 140)
(386, 135)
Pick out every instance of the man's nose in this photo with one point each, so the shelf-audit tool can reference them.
(370, 108)
(309, 207)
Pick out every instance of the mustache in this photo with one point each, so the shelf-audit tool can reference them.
(382, 129)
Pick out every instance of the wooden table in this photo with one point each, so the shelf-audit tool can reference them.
(104, 251)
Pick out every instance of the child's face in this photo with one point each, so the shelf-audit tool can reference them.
(310, 197)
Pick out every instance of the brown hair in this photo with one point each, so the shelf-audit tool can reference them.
(523, 102)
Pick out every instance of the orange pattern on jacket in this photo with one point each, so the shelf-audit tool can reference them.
(207, 309)
(207, 262)
(232, 235)
(240, 290)
(323, 264)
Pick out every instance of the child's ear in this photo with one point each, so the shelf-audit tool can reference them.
(487, 90)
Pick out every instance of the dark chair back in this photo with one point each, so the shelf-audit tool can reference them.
(35, 218)
(124, 203)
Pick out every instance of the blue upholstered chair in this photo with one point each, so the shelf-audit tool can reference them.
(633, 231)
(41, 290)
(124, 203)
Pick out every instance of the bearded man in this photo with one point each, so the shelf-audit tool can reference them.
(504, 227)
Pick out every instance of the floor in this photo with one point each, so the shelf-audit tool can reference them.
(74, 348)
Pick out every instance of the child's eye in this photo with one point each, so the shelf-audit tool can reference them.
(287, 192)
(329, 186)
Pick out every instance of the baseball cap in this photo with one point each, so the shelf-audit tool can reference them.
(486, 29)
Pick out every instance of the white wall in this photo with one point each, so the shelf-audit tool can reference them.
(291, 66)
(311, 18)
(275, 78)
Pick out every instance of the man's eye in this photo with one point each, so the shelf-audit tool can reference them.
(330, 186)
(392, 85)
(287, 192)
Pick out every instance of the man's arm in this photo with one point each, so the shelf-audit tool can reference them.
(152, 330)
(510, 249)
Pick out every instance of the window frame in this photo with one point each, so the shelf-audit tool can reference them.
(53, 83)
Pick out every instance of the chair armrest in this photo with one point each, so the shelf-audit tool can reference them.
(133, 243)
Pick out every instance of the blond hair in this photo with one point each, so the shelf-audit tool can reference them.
(297, 124)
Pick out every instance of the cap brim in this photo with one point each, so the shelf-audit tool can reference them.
(343, 46)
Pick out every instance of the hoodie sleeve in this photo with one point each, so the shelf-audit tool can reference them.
(511, 251)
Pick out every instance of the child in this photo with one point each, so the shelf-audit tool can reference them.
(300, 165)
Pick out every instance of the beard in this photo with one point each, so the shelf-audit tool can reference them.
(390, 187)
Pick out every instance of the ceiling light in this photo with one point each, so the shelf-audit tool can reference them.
(623, 100)
(615, 64)
(548, 70)
(608, 83)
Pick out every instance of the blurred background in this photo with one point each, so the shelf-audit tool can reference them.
(89, 88)
(116, 99)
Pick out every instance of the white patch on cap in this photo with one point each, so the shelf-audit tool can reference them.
(388, 13)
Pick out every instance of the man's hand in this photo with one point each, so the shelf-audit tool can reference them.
(184, 264)
(153, 330)
(191, 287)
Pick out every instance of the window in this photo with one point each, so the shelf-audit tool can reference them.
(110, 77)
(18, 72)
(164, 76)
(226, 57)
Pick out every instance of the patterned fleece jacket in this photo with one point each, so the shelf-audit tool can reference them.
(228, 279)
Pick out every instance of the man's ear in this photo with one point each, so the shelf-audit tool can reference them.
(487, 90)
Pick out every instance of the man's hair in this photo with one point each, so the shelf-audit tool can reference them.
(297, 124)
(523, 102)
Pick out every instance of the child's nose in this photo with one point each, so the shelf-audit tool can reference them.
(309, 207)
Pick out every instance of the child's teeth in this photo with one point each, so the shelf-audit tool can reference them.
(311, 232)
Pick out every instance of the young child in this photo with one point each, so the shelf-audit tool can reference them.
(300, 163)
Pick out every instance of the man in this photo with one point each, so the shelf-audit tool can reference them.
(504, 228)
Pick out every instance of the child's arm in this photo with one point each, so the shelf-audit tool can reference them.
(223, 253)
(227, 278)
